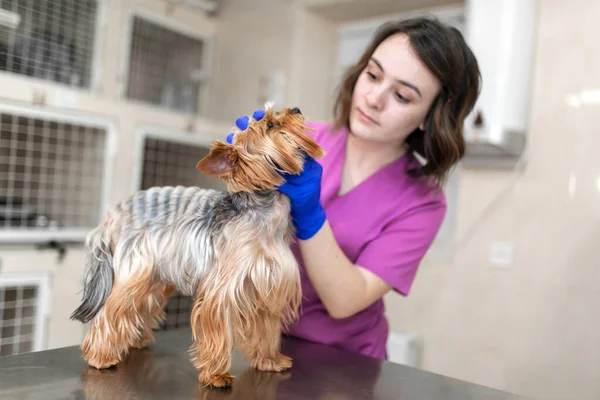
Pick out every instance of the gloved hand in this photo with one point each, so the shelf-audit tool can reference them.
(303, 190)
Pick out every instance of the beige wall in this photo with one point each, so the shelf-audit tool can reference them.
(311, 71)
(251, 43)
(255, 38)
(532, 329)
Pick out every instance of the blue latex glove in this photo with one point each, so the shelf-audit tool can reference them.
(303, 190)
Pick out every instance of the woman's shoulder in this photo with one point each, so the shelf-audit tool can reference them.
(415, 206)
(414, 192)
(424, 196)
(426, 191)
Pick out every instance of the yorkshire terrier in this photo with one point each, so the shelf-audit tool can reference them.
(229, 250)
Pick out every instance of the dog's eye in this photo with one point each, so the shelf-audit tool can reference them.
(270, 125)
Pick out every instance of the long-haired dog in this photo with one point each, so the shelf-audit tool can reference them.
(230, 250)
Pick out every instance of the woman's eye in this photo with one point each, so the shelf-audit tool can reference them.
(372, 75)
(401, 98)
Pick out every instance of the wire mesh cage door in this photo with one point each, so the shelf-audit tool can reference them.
(172, 162)
(52, 40)
(52, 175)
(167, 66)
(22, 314)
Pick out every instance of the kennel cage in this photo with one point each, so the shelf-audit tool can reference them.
(23, 314)
(167, 64)
(170, 160)
(53, 175)
(51, 40)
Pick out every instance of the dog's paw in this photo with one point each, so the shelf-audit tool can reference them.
(102, 362)
(277, 364)
(103, 357)
(143, 343)
(217, 381)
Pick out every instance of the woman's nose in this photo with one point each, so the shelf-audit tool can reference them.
(375, 98)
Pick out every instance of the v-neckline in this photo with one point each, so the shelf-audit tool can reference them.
(365, 182)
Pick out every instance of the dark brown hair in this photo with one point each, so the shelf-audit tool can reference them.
(444, 51)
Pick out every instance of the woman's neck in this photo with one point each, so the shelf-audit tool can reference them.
(364, 158)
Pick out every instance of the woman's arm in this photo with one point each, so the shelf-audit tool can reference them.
(388, 261)
(344, 288)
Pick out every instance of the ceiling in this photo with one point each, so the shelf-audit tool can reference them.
(351, 10)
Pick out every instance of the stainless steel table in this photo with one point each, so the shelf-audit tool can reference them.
(163, 371)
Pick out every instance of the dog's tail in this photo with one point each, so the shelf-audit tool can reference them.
(98, 277)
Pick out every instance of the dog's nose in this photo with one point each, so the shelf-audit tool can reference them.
(296, 110)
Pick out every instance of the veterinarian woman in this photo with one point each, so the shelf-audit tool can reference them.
(368, 211)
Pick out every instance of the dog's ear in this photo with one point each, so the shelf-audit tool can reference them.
(305, 140)
(220, 162)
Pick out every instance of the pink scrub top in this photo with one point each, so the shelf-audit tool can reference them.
(386, 225)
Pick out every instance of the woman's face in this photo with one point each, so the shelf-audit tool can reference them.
(393, 94)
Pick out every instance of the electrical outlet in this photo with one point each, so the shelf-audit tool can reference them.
(502, 254)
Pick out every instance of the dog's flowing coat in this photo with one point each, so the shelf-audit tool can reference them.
(229, 250)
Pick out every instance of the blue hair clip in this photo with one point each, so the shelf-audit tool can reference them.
(243, 122)
(230, 137)
(258, 114)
